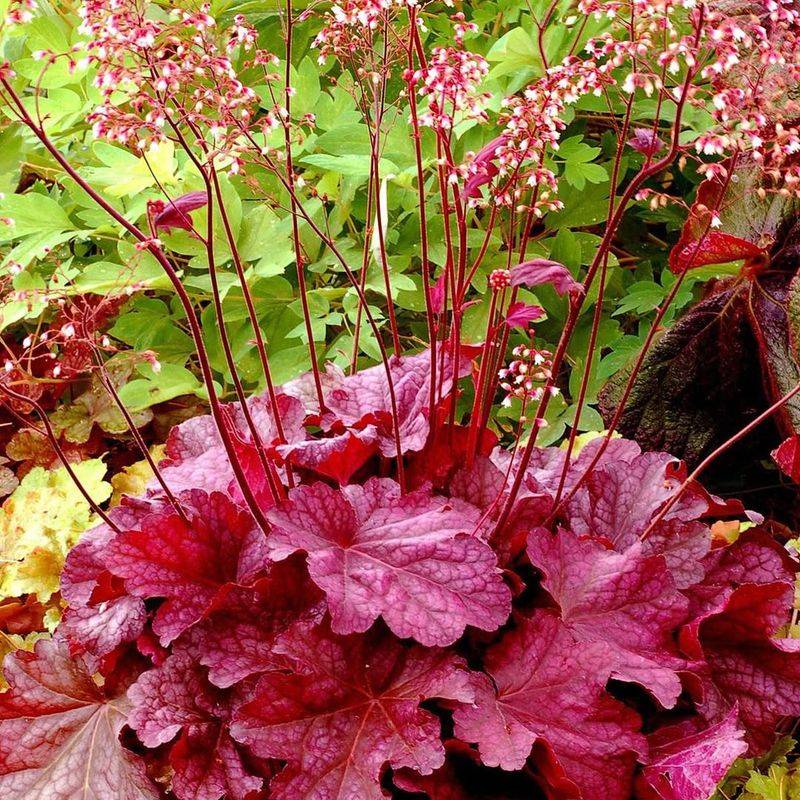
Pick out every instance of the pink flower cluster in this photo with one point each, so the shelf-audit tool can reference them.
(533, 124)
(346, 25)
(19, 12)
(740, 62)
(177, 78)
(449, 81)
(526, 374)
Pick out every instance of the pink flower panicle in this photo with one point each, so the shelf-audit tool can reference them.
(533, 123)
(740, 62)
(19, 12)
(461, 27)
(349, 25)
(449, 82)
(526, 374)
(174, 73)
(500, 279)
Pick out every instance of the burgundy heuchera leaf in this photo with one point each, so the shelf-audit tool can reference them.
(178, 699)
(687, 760)
(350, 707)
(787, 457)
(546, 689)
(701, 244)
(101, 614)
(336, 457)
(438, 293)
(482, 168)
(192, 566)
(540, 270)
(714, 247)
(409, 559)
(619, 499)
(355, 401)
(520, 315)
(646, 141)
(747, 664)
(626, 602)
(175, 213)
(754, 558)
(59, 734)
(237, 639)
(196, 457)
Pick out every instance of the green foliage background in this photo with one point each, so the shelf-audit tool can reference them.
(65, 245)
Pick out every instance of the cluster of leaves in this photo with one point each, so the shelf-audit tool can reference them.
(65, 263)
(39, 523)
(370, 642)
(773, 776)
(344, 585)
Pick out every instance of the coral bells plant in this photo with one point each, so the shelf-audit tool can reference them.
(372, 580)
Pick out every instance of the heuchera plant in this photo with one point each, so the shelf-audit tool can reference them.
(346, 586)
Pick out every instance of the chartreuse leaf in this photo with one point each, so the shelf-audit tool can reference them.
(137, 269)
(772, 776)
(353, 166)
(132, 481)
(170, 381)
(781, 782)
(96, 407)
(41, 520)
(26, 302)
(29, 214)
(642, 297)
(582, 208)
(513, 52)
(126, 175)
(149, 325)
(12, 150)
(37, 222)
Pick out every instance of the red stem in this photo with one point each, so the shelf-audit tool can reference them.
(298, 254)
(598, 310)
(108, 385)
(644, 174)
(423, 227)
(275, 486)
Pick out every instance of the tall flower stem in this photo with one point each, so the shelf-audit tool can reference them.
(213, 192)
(416, 135)
(575, 305)
(298, 250)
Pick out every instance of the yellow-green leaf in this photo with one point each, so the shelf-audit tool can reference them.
(41, 520)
